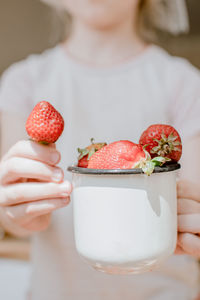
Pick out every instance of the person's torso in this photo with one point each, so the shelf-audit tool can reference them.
(106, 105)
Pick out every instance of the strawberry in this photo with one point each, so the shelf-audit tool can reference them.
(83, 162)
(162, 140)
(44, 124)
(87, 152)
(117, 155)
(124, 155)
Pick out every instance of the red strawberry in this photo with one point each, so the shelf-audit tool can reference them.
(87, 152)
(162, 140)
(83, 162)
(118, 155)
(44, 124)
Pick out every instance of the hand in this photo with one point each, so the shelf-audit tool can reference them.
(188, 218)
(31, 187)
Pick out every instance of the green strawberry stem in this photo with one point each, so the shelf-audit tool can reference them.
(40, 142)
(43, 143)
(148, 165)
(155, 162)
(82, 152)
(166, 145)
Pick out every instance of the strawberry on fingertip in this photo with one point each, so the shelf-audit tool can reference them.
(45, 124)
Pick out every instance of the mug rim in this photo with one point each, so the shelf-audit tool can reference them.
(87, 171)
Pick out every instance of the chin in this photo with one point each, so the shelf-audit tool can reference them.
(99, 22)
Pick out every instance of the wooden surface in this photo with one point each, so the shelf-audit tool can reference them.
(14, 248)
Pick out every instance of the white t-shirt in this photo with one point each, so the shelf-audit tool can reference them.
(108, 104)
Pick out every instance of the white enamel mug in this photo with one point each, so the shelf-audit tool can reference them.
(125, 221)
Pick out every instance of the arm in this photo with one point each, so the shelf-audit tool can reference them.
(189, 199)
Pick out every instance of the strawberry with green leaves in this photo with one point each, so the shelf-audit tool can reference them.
(45, 124)
(162, 140)
(124, 155)
(86, 153)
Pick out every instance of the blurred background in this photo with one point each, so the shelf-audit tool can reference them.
(28, 26)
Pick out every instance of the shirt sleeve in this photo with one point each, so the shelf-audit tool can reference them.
(184, 108)
(16, 89)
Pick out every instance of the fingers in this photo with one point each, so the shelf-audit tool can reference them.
(188, 218)
(24, 213)
(189, 190)
(189, 223)
(32, 150)
(16, 168)
(187, 206)
(189, 243)
(33, 191)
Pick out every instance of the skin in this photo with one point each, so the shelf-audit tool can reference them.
(188, 191)
(99, 28)
(102, 15)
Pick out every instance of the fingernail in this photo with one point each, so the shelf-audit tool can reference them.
(55, 157)
(65, 188)
(57, 175)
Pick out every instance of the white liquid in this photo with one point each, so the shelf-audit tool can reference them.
(125, 226)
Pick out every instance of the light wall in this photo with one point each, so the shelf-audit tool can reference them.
(25, 27)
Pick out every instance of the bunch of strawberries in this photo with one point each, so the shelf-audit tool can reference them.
(159, 144)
